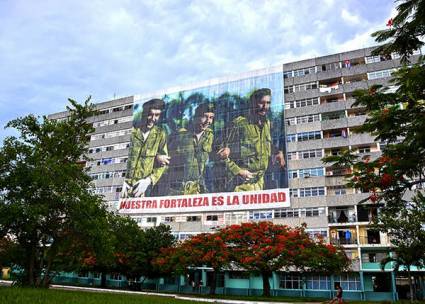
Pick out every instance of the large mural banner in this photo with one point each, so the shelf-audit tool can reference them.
(216, 147)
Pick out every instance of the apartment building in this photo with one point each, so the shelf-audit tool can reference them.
(319, 120)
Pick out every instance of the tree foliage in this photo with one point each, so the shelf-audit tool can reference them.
(205, 249)
(405, 31)
(265, 247)
(46, 207)
(396, 118)
(260, 248)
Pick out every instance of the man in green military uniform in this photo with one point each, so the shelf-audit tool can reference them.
(148, 154)
(190, 149)
(248, 148)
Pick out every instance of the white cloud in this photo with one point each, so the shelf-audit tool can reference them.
(350, 18)
(53, 50)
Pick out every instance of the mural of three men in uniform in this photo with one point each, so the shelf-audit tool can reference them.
(205, 155)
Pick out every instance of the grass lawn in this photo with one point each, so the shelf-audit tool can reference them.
(15, 295)
(12, 295)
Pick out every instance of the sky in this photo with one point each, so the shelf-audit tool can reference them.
(54, 50)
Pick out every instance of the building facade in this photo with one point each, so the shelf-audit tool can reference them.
(319, 121)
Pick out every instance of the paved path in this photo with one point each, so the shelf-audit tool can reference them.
(166, 295)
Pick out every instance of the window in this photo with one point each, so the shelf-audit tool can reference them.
(307, 119)
(305, 173)
(106, 161)
(293, 174)
(333, 115)
(319, 282)
(260, 215)
(348, 281)
(287, 74)
(311, 172)
(301, 103)
(310, 154)
(329, 67)
(305, 87)
(290, 281)
(304, 71)
(379, 74)
(312, 191)
(212, 217)
(288, 89)
(318, 233)
(309, 135)
(379, 58)
(151, 219)
(291, 121)
(193, 218)
(312, 212)
(185, 235)
(337, 190)
(293, 193)
(291, 137)
(365, 149)
(292, 155)
(169, 219)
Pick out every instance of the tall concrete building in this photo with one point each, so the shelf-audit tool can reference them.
(319, 120)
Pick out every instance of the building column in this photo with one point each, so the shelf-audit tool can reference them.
(274, 283)
(204, 277)
(331, 277)
(362, 295)
(394, 286)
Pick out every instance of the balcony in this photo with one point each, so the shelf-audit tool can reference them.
(336, 241)
(342, 215)
(373, 239)
(360, 139)
(354, 121)
(336, 171)
(330, 106)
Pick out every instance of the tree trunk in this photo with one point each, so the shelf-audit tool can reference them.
(31, 268)
(410, 284)
(213, 284)
(103, 280)
(47, 278)
(266, 284)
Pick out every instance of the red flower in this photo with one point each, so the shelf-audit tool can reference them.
(373, 197)
(386, 180)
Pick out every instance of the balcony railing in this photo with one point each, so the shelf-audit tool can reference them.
(338, 219)
(373, 240)
(352, 241)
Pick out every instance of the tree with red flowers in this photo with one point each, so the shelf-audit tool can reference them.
(265, 247)
(205, 249)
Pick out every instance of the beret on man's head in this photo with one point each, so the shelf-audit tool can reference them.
(260, 93)
(204, 108)
(157, 104)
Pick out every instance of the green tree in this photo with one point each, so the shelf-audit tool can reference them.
(404, 31)
(45, 203)
(397, 119)
(137, 250)
(408, 237)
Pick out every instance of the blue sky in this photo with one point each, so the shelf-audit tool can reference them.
(52, 50)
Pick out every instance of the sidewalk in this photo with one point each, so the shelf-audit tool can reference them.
(166, 295)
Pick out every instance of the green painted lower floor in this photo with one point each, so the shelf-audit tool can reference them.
(376, 286)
